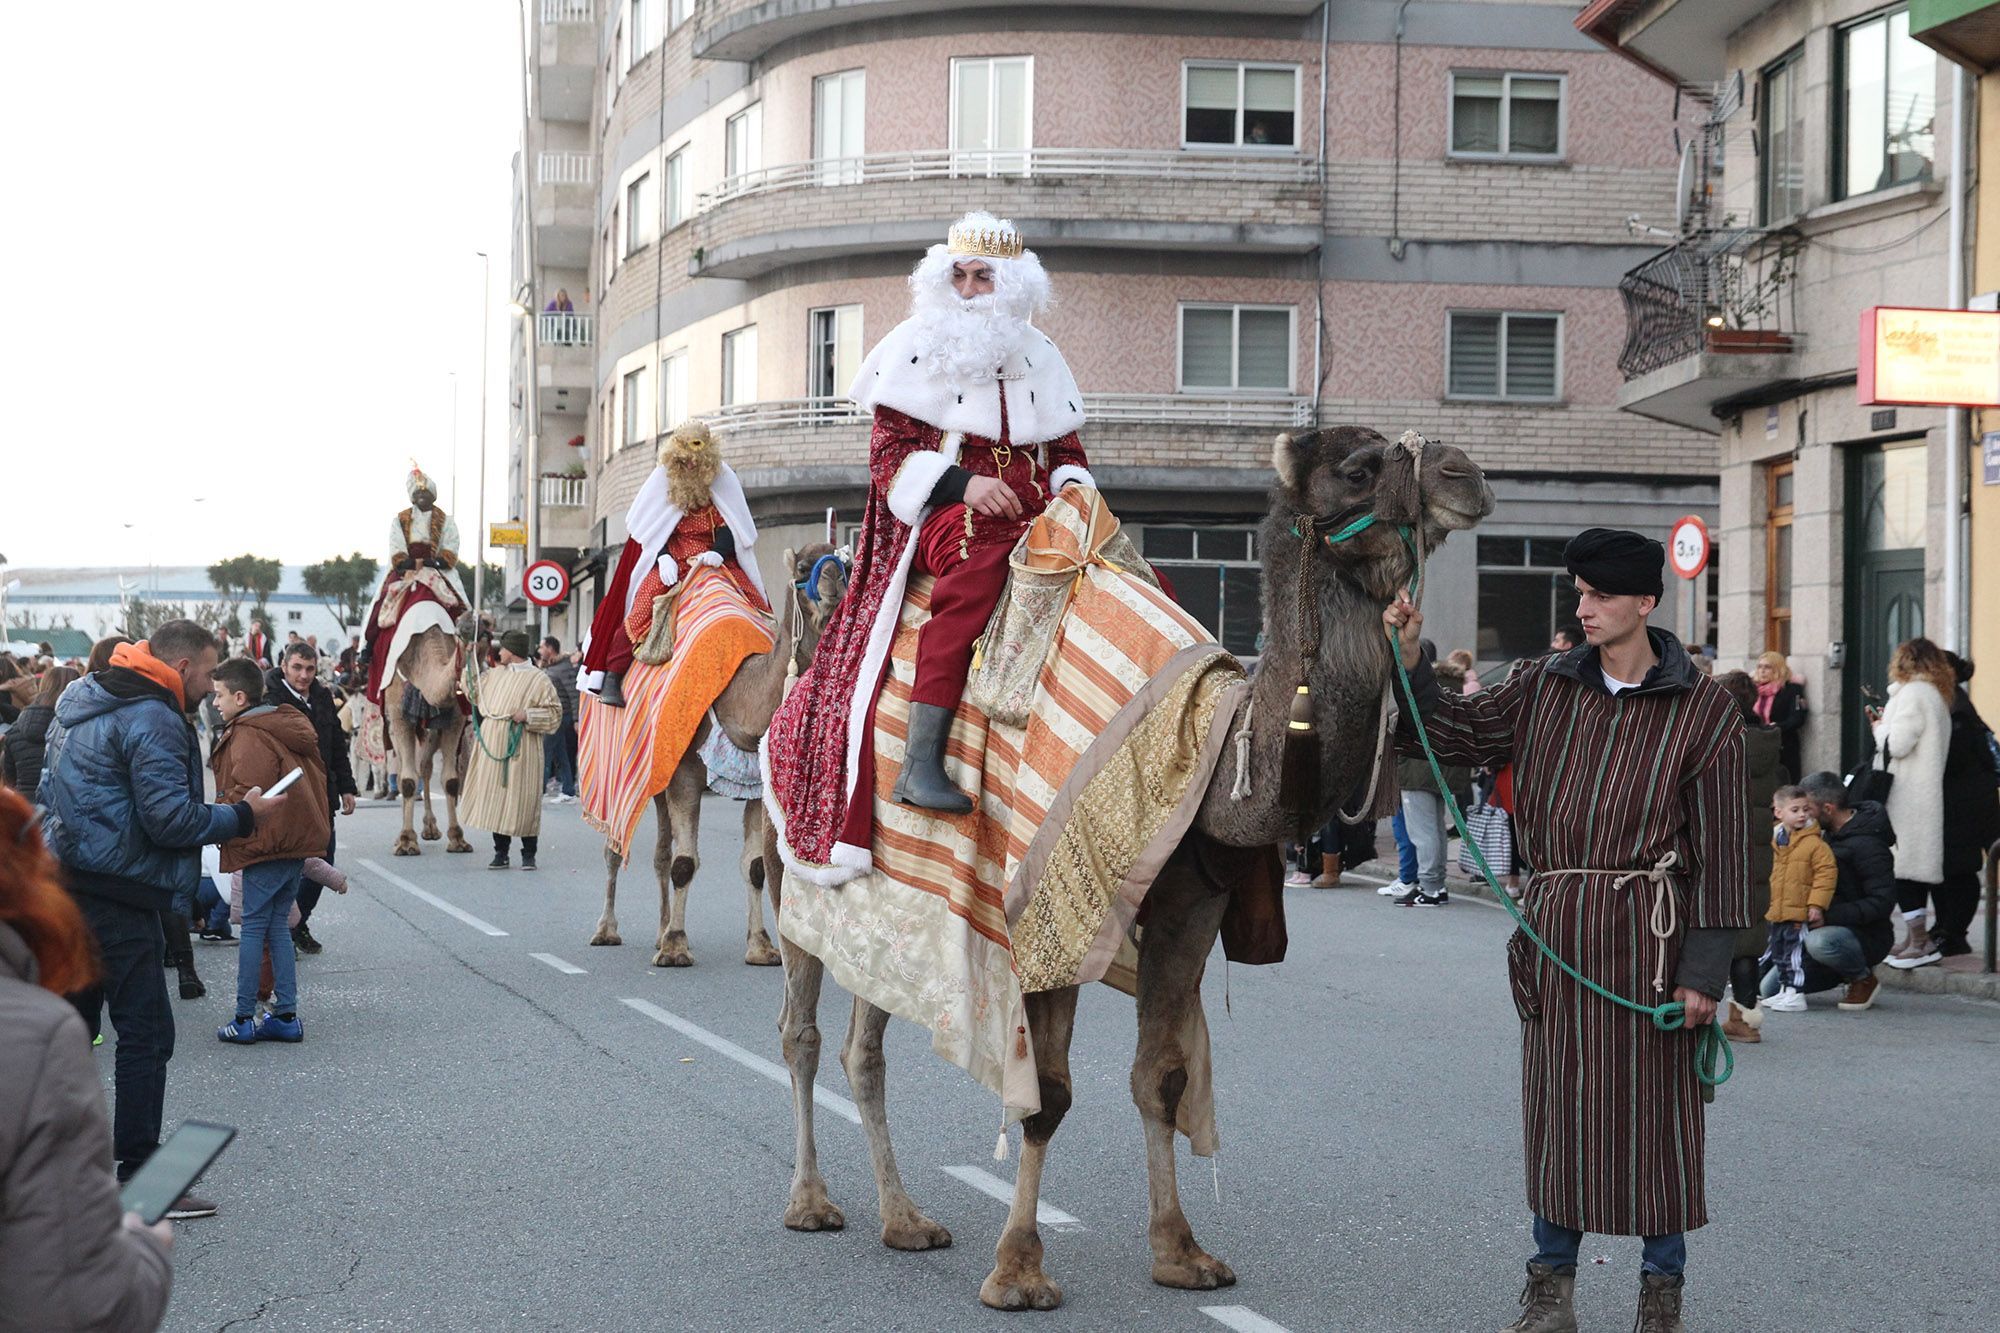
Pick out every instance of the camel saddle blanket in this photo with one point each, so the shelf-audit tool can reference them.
(626, 756)
(1079, 809)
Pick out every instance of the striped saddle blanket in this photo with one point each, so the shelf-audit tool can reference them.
(625, 756)
(1079, 808)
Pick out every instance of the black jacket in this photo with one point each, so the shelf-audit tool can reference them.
(22, 748)
(1865, 897)
(1788, 714)
(1971, 796)
(325, 716)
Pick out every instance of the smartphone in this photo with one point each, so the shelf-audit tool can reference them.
(174, 1166)
(282, 783)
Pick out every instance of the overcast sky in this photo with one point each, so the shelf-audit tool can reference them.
(241, 249)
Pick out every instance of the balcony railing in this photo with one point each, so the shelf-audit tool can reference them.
(564, 168)
(559, 330)
(569, 11)
(1061, 163)
(1184, 408)
(562, 492)
(1722, 291)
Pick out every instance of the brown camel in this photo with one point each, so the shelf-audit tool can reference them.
(1335, 474)
(430, 663)
(744, 709)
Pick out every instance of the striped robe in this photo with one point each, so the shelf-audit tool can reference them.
(1612, 1114)
(507, 797)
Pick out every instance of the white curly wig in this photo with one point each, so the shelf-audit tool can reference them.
(966, 339)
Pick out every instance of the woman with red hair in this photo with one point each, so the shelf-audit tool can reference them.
(67, 1261)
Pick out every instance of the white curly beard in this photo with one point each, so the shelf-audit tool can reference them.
(965, 340)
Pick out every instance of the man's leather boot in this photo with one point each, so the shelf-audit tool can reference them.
(1659, 1305)
(191, 987)
(612, 693)
(922, 781)
(1547, 1301)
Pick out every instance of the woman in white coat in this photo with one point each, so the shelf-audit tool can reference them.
(1912, 735)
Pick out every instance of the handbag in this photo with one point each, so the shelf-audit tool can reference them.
(1492, 832)
(1865, 782)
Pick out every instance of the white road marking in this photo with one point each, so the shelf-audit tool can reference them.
(435, 901)
(558, 964)
(1046, 1215)
(777, 1073)
(1242, 1318)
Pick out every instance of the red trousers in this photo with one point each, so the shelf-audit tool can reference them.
(968, 587)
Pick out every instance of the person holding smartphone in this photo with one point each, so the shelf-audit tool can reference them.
(69, 1257)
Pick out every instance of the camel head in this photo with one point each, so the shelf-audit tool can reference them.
(819, 581)
(1336, 475)
(693, 462)
(431, 663)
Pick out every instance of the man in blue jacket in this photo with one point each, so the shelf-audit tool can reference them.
(123, 794)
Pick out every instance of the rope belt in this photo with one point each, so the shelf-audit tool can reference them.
(1664, 919)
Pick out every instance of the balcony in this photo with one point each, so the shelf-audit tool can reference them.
(566, 363)
(560, 491)
(747, 29)
(1709, 327)
(565, 208)
(565, 59)
(759, 221)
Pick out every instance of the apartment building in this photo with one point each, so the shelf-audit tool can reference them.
(1818, 187)
(1257, 216)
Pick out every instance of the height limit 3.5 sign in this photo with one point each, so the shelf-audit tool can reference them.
(545, 583)
(1687, 550)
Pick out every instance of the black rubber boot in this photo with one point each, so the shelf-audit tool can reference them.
(191, 987)
(922, 782)
(612, 694)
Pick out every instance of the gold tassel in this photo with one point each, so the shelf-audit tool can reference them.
(1298, 776)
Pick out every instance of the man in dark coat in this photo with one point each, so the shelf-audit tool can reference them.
(1854, 933)
(1971, 816)
(295, 683)
(1628, 780)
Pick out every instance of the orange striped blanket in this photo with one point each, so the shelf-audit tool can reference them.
(627, 755)
(1078, 811)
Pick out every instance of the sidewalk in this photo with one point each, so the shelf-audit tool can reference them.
(1954, 976)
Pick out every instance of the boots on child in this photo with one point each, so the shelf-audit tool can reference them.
(612, 693)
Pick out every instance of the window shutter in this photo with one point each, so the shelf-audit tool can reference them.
(1206, 348)
(1475, 355)
(1264, 349)
(1475, 114)
(1531, 356)
(1534, 116)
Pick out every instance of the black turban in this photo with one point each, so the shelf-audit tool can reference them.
(1613, 561)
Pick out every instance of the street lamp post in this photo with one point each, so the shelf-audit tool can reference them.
(529, 330)
(485, 351)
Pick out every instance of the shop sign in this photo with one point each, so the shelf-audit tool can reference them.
(1929, 358)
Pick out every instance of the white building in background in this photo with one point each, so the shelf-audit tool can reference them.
(94, 599)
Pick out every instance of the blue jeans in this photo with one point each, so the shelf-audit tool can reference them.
(559, 758)
(1406, 851)
(134, 986)
(1557, 1245)
(269, 888)
(1423, 821)
(1834, 957)
(214, 908)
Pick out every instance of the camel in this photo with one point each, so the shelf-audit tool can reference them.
(744, 709)
(431, 664)
(1333, 475)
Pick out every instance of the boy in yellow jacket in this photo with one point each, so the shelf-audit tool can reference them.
(1803, 875)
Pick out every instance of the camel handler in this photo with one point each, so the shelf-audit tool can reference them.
(975, 416)
(423, 555)
(1629, 789)
(515, 705)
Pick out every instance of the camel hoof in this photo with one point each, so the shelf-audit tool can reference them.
(811, 1210)
(406, 845)
(457, 843)
(431, 833)
(673, 951)
(759, 953)
(605, 935)
(1019, 1291)
(915, 1232)
(1200, 1272)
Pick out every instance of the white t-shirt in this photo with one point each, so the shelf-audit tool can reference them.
(1617, 686)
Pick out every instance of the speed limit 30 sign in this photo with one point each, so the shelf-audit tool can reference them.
(1689, 548)
(545, 582)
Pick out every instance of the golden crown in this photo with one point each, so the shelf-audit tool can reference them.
(985, 242)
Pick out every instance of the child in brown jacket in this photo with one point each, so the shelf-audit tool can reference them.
(259, 746)
(1803, 875)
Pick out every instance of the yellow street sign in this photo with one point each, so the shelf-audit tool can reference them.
(507, 534)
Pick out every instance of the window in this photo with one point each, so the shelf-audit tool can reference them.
(1227, 347)
(1885, 94)
(677, 200)
(1777, 558)
(641, 208)
(838, 138)
(835, 350)
(644, 14)
(1525, 596)
(1216, 579)
(678, 12)
(739, 366)
(1507, 115)
(1783, 159)
(1239, 105)
(635, 402)
(742, 141)
(673, 390)
(1495, 354)
(992, 114)
(613, 242)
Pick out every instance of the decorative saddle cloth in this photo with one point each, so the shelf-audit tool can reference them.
(1080, 806)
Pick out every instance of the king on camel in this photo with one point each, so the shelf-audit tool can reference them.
(421, 587)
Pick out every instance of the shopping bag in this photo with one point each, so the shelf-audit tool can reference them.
(1493, 833)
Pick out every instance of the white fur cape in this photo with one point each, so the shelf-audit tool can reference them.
(653, 518)
(1043, 402)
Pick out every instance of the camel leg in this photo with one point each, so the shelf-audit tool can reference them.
(676, 859)
(1180, 930)
(607, 925)
(1017, 1281)
(427, 765)
(808, 1208)
(904, 1226)
(454, 836)
(405, 741)
(757, 950)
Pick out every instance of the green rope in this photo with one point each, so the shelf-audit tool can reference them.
(1714, 1061)
(515, 730)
